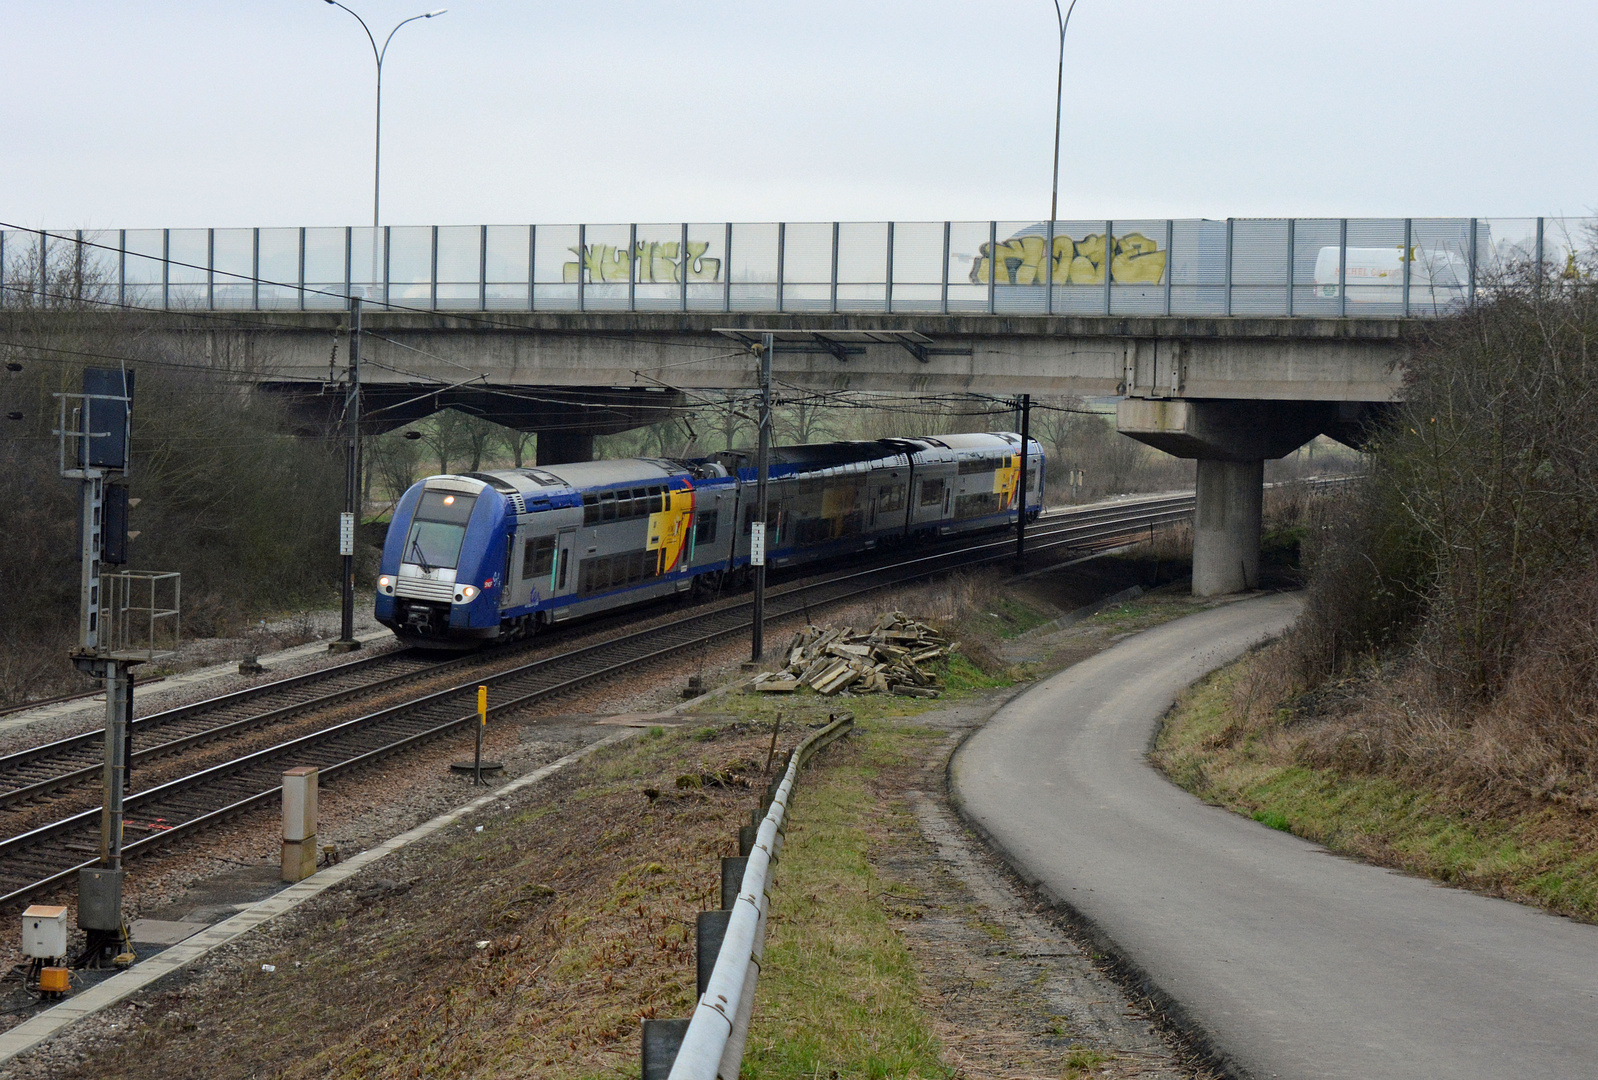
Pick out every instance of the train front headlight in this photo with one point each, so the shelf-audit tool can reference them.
(466, 595)
(386, 584)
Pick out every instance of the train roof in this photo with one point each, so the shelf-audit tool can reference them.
(581, 475)
(786, 459)
(980, 440)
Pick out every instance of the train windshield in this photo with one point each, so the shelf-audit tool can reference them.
(438, 529)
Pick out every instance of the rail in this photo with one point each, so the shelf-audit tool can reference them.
(31, 862)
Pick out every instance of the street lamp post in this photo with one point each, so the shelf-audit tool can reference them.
(378, 54)
(1059, 97)
(352, 404)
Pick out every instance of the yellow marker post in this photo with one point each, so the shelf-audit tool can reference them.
(482, 722)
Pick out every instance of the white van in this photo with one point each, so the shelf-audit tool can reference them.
(1437, 277)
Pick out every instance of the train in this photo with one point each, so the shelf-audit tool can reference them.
(493, 556)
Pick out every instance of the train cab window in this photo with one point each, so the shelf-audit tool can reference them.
(437, 530)
(538, 558)
(705, 527)
(931, 492)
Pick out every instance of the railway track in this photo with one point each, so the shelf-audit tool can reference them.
(50, 855)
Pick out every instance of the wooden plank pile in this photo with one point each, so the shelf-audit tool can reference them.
(893, 657)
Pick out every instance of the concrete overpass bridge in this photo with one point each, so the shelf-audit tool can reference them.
(1230, 341)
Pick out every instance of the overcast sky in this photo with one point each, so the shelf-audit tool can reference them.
(235, 113)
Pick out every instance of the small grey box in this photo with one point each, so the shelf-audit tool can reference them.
(99, 899)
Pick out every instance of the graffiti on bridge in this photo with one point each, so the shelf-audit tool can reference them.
(1134, 260)
(659, 262)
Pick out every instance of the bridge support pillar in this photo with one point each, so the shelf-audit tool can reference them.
(1226, 526)
(1232, 440)
(564, 447)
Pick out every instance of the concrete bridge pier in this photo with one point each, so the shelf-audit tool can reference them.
(1226, 526)
(1231, 441)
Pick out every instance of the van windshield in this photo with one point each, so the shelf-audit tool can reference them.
(438, 529)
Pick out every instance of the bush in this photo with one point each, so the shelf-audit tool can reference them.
(230, 496)
(1450, 632)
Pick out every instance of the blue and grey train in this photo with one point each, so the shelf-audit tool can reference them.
(490, 556)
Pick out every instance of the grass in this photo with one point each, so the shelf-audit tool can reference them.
(1540, 855)
(1012, 616)
(1081, 1062)
(839, 990)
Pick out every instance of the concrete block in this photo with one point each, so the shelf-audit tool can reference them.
(299, 803)
(299, 859)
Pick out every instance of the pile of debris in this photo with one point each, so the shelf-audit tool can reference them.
(887, 659)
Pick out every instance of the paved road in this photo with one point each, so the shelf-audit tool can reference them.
(1298, 963)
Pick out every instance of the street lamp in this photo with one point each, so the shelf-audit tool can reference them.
(378, 54)
(352, 400)
(1059, 94)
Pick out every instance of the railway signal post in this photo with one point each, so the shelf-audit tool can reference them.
(123, 619)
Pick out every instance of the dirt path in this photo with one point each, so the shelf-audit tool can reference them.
(1012, 992)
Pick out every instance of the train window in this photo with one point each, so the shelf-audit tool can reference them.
(890, 497)
(538, 558)
(447, 506)
(931, 492)
(607, 506)
(705, 527)
(590, 509)
(609, 571)
(433, 544)
(981, 504)
(565, 561)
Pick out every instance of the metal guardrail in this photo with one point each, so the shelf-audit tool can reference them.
(713, 1044)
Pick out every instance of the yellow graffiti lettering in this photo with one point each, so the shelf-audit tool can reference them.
(699, 267)
(659, 262)
(1135, 259)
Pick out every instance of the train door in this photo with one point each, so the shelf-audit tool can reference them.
(513, 593)
(564, 572)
